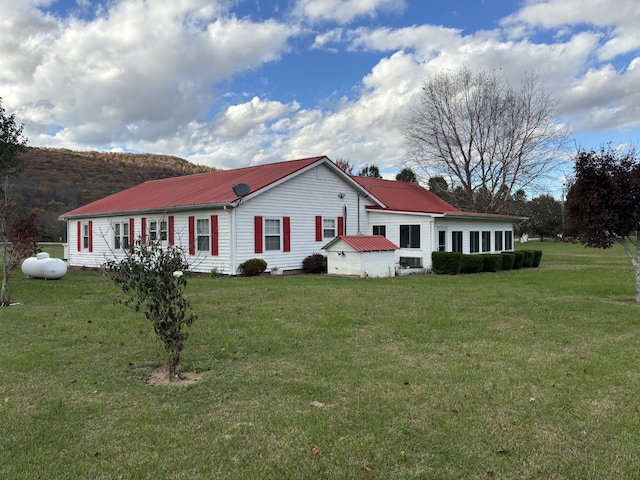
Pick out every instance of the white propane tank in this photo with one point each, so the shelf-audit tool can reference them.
(42, 266)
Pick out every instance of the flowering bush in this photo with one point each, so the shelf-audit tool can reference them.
(153, 280)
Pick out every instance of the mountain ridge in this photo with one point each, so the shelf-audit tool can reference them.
(56, 180)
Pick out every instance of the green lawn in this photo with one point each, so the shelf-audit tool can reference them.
(522, 374)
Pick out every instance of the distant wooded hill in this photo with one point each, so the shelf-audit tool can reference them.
(58, 180)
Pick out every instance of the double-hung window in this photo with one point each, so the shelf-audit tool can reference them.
(272, 234)
(158, 231)
(409, 236)
(329, 228)
(202, 234)
(121, 239)
(85, 236)
(474, 241)
(153, 231)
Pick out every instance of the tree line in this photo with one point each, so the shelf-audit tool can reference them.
(55, 181)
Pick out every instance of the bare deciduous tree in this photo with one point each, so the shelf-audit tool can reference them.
(490, 139)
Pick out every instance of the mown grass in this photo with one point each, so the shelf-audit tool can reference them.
(520, 374)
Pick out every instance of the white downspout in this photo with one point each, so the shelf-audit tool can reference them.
(232, 239)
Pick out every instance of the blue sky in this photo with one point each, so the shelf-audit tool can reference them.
(231, 83)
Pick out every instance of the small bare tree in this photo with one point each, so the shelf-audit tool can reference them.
(489, 138)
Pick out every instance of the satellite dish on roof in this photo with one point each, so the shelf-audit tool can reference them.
(240, 189)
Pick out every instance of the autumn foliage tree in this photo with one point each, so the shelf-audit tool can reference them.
(16, 233)
(21, 237)
(603, 202)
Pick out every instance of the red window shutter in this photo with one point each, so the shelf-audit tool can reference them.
(340, 225)
(143, 227)
(286, 226)
(132, 236)
(257, 234)
(214, 235)
(170, 226)
(90, 236)
(79, 236)
(318, 228)
(192, 236)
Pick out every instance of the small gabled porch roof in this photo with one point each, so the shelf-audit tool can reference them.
(364, 243)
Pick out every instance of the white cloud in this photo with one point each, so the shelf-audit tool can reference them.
(618, 20)
(142, 67)
(238, 120)
(344, 11)
(143, 75)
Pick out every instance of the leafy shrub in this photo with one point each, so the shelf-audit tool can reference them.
(537, 256)
(491, 262)
(446, 263)
(316, 263)
(507, 260)
(472, 264)
(153, 281)
(528, 258)
(253, 267)
(519, 260)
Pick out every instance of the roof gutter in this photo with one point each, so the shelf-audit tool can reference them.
(485, 216)
(149, 211)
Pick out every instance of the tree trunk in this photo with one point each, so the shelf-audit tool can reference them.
(6, 272)
(173, 363)
(636, 267)
(634, 257)
(4, 296)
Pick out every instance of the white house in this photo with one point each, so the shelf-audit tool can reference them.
(291, 210)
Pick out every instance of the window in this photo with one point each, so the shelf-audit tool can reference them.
(328, 227)
(456, 241)
(411, 262)
(409, 236)
(474, 242)
(158, 231)
(85, 236)
(153, 231)
(498, 241)
(442, 241)
(380, 230)
(486, 241)
(508, 240)
(202, 234)
(271, 234)
(163, 231)
(121, 236)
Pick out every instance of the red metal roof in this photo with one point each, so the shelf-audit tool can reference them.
(404, 196)
(365, 243)
(193, 190)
